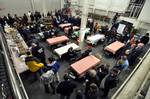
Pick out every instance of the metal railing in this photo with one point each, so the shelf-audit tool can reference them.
(3, 91)
(130, 76)
(14, 78)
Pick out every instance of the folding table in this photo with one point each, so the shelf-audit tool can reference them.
(62, 50)
(85, 64)
(64, 25)
(95, 38)
(74, 28)
(114, 47)
(57, 40)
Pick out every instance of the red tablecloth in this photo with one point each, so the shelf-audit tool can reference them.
(114, 47)
(57, 40)
(83, 65)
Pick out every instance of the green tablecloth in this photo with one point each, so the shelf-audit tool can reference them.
(77, 33)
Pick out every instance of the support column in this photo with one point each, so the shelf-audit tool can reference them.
(62, 4)
(44, 7)
(84, 17)
(32, 5)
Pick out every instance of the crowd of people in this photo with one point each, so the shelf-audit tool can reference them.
(103, 78)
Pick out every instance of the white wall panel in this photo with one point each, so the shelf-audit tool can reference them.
(112, 5)
(145, 15)
(14, 6)
(102, 4)
(118, 5)
(50, 5)
(23, 6)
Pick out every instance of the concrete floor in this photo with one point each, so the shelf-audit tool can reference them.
(35, 89)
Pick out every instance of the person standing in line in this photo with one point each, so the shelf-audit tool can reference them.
(91, 77)
(32, 17)
(65, 88)
(38, 52)
(109, 82)
(53, 65)
(102, 71)
(10, 20)
(79, 94)
(25, 19)
(145, 39)
(2, 22)
(93, 92)
(115, 18)
(48, 80)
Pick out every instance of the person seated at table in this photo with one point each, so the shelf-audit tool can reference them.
(126, 35)
(55, 21)
(71, 54)
(38, 52)
(96, 28)
(78, 21)
(53, 65)
(105, 29)
(70, 31)
(34, 65)
(85, 53)
(145, 39)
(102, 71)
(90, 24)
(111, 35)
(47, 34)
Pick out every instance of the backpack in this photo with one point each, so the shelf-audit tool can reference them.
(47, 77)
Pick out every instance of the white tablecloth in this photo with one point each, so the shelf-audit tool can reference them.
(60, 51)
(95, 38)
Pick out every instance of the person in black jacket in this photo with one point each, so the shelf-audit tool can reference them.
(38, 52)
(115, 18)
(32, 17)
(109, 82)
(93, 92)
(2, 22)
(10, 20)
(102, 71)
(25, 19)
(91, 77)
(71, 54)
(145, 39)
(65, 88)
(70, 31)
